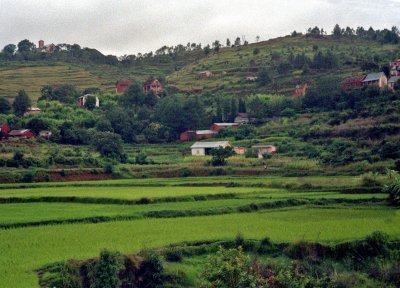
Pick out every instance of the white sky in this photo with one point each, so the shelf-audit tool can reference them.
(130, 26)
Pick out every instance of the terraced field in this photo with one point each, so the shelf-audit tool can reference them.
(49, 222)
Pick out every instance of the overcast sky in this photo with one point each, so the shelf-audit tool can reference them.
(121, 27)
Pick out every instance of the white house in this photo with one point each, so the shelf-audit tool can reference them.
(204, 148)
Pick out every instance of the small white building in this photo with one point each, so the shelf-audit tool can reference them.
(82, 100)
(264, 149)
(204, 148)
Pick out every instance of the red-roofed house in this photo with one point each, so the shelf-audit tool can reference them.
(218, 126)
(122, 85)
(353, 82)
(153, 85)
(23, 133)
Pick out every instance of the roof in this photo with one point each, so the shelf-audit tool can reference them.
(210, 144)
(87, 95)
(374, 76)
(33, 109)
(18, 132)
(226, 124)
(201, 132)
(263, 146)
(150, 81)
(354, 79)
(206, 71)
(394, 79)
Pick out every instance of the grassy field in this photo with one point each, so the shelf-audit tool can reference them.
(25, 249)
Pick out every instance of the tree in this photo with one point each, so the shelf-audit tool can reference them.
(257, 38)
(337, 31)
(37, 125)
(9, 51)
(134, 96)
(25, 46)
(21, 103)
(5, 106)
(106, 269)
(396, 85)
(108, 144)
(217, 46)
(220, 154)
(393, 189)
(90, 102)
(263, 77)
(228, 42)
(256, 51)
(238, 41)
(228, 269)
(207, 50)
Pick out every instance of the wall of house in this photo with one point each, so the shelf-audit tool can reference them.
(198, 152)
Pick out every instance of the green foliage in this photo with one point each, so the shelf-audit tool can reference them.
(141, 159)
(393, 189)
(90, 102)
(152, 270)
(106, 269)
(220, 154)
(21, 103)
(108, 144)
(229, 268)
(5, 106)
(263, 77)
(37, 125)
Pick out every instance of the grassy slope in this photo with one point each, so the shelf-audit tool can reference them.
(235, 63)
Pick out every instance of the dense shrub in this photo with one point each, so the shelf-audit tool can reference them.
(106, 269)
(393, 189)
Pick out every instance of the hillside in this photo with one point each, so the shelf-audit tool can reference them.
(230, 67)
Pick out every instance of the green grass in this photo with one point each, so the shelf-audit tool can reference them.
(28, 248)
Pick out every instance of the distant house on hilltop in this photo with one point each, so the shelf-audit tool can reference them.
(82, 101)
(300, 90)
(353, 82)
(122, 86)
(379, 79)
(204, 148)
(204, 74)
(153, 85)
(46, 48)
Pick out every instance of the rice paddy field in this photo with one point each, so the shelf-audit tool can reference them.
(44, 223)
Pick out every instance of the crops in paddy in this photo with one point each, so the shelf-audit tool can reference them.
(53, 222)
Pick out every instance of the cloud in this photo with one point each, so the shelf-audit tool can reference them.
(131, 26)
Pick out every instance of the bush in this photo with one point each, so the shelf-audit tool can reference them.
(220, 154)
(173, 255)
(106, 269)
(393, 189)
(141, 159)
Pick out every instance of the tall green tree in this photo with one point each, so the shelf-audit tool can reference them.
(106, 269)
(337, 31)
(5, 106)
(134, 96)
(25, 46)
(263, 77)
(21, 103)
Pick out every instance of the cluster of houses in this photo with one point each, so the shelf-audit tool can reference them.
(204, 148)
(6, 132)
(151, 85)
(377, 79)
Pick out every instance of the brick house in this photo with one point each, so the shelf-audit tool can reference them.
(395, 68)
(204, 74)
(197, 135)
(218, 126)
(153, 85)
(122, 85)
(22, 133)
(353, 82)
(264, 149)
(4, 130)
(379, 79)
